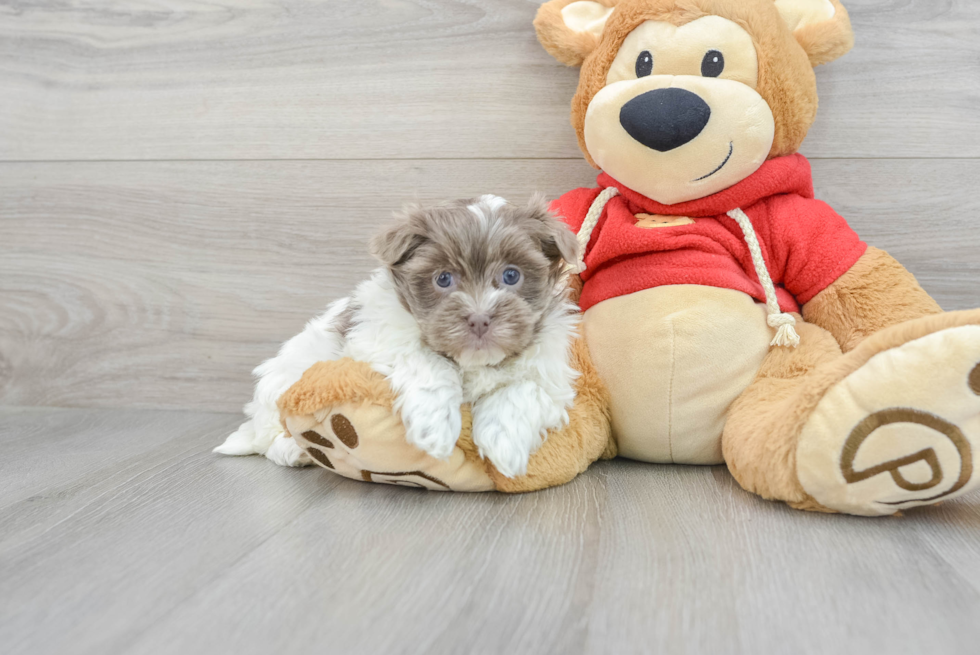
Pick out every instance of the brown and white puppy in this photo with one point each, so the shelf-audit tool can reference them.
(470, 306)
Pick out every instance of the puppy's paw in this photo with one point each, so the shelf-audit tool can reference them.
(285, 452)
(432, 429)
(506, 440)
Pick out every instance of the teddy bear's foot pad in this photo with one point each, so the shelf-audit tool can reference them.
(901, 431)
(367, 442)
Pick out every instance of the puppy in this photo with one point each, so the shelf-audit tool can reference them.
(470, 306)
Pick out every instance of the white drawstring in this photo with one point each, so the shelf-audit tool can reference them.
(591, 220)
(783, 322)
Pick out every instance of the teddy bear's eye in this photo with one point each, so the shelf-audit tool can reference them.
(713, 64)
(644, 64)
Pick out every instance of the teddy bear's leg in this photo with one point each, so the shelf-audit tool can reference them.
(892, 424)
(759, 441)
(876, 293)
(897, 422)
(341, 414)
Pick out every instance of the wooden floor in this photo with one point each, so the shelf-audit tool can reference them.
(183, 183)
(121, 533)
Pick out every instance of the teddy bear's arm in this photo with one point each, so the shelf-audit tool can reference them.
(875, 293)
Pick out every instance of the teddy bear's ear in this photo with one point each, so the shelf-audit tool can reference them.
(822, 27)
(570, 29)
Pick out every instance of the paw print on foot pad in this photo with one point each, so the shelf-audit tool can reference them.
(315, 448)
(368, 443)
(406, 479)
(344, 429)
(318, 445)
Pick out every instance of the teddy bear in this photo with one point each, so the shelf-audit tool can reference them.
(728, 316)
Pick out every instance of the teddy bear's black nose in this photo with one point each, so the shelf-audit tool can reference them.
(664, 119)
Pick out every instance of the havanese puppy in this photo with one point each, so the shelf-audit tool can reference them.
(470, 306)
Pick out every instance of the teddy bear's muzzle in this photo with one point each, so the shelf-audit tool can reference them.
(664, 119)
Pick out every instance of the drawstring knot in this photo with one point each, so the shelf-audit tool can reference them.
(785, 331)
(782, 322)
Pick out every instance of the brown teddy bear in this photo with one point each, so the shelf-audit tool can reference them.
(728, 315)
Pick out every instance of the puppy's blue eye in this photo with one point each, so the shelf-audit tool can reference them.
(511, 276)
(445, 280)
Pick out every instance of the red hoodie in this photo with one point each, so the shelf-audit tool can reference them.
(806, 245)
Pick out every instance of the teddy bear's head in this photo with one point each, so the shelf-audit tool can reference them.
(680, 99)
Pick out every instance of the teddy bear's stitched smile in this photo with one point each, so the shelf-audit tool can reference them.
(731, 149)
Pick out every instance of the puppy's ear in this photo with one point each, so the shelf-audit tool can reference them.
(821, 27)
(396, 244)
(558, 242)
(570, 29)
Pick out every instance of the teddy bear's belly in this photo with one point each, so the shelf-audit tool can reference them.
(674, 359)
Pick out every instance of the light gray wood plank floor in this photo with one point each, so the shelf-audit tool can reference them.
(121, 533)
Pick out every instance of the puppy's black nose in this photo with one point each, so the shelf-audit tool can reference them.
(479, 324)
(664, 119)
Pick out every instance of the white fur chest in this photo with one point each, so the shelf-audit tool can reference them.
(481, 381)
